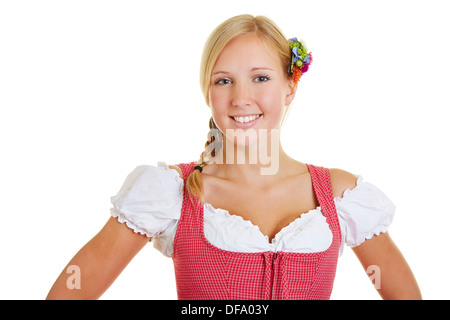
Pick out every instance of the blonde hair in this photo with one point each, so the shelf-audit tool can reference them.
(266, 30)
(270, 35)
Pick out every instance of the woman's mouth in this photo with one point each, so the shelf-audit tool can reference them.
(246, 121)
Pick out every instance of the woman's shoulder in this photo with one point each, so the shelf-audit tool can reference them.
(177, 169)
(161, 172)
(342, 180)
(147, 180)
(150, 199)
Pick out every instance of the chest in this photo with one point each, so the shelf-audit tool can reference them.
(270, 208)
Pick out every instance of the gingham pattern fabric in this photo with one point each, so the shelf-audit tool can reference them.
(206, 272)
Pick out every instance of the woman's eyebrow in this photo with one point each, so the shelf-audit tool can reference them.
(219, 72)
(261, 68)
(252, 70)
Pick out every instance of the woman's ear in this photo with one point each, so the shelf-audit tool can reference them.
(291, 93)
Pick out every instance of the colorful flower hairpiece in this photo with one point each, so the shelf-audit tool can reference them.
(300, 59)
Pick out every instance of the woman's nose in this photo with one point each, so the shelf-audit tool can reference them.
(241, 95)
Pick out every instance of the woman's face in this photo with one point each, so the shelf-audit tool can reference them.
(248, 88)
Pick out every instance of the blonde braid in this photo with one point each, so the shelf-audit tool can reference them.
(194, 182)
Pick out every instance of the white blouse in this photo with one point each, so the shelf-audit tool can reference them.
(151, 197)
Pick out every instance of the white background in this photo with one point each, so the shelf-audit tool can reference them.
(91, 89)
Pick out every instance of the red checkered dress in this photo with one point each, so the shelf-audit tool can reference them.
(204, 271)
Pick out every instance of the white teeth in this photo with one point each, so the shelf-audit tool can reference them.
(246, 119)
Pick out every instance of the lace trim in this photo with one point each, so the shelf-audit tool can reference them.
(300, 223)
(122, 219)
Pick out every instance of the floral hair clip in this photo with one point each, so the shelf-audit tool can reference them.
(300, 59)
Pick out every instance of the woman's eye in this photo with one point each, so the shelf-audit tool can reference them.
(222, 81)
(262, 79)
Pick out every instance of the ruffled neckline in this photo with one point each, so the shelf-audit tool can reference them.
(299, 223)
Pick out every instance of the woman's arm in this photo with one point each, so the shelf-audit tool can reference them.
(379, 256)
(98, 263)
(389, 269)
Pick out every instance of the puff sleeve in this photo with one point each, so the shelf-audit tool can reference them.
(363, 212)
(150, 200)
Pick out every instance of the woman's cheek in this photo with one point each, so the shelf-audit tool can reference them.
(219, 114)
(272, 107)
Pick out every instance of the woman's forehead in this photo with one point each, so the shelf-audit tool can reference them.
(248, 52)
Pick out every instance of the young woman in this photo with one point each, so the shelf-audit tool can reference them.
(246, 221)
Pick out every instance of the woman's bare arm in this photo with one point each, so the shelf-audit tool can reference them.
(99, 262)
(379, 256)
(388, 268)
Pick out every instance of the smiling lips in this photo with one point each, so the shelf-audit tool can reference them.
(246, 118)
(246, 121)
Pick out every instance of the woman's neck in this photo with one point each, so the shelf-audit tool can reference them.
(262, 161)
